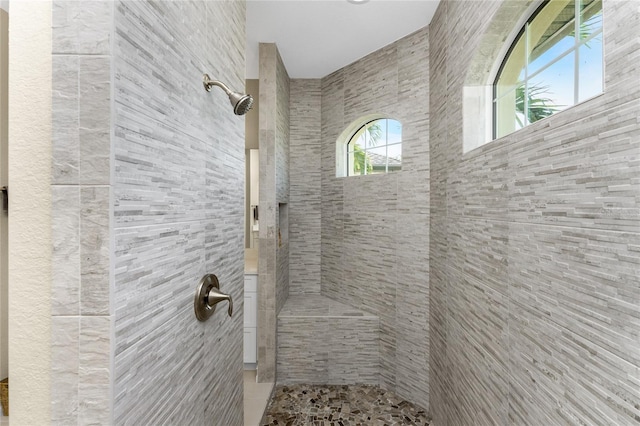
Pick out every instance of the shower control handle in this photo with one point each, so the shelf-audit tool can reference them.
(214, 297)
(208, 295)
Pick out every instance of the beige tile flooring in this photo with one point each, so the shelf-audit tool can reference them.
(256, 396)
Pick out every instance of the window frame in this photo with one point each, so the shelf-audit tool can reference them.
(364, 122)
(523, 25)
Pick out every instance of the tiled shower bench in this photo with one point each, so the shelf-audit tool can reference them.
(322, 341)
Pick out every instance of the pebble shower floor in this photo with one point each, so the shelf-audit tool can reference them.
(340, 405)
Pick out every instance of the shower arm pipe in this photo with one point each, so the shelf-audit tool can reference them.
(240, 102)
(208, 84)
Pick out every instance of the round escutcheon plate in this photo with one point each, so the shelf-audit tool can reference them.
(201, 307)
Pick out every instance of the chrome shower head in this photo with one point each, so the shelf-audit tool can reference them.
(241, 103)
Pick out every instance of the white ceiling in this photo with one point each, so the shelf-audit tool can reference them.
(317, 37)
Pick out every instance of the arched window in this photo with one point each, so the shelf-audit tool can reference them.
(374, 147)
(555, 62)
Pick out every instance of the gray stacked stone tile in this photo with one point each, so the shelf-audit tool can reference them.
(147, 197)
(273, 261)
(375, 228)
(322, 341)
(305, 186)
(529, 288)
(438, 363)
(360, 240)
(178, 203)
(533, 240)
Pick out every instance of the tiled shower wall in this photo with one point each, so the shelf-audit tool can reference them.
(282, 164)
(375, 229)
(178, 211)
(273, 264)
(306, 183)
(81, 183)
(534, 242)
(147, 162)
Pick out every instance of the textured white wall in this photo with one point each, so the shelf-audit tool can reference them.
(30, 224)
(4, 102)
